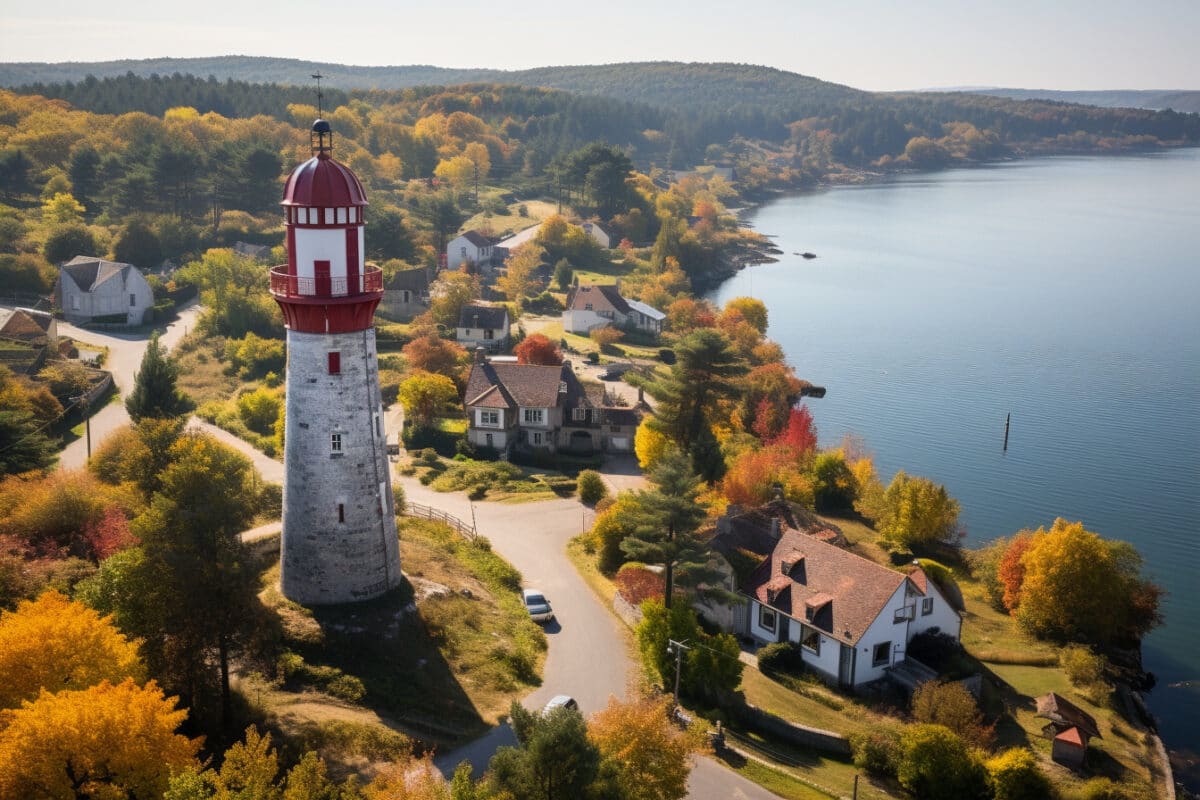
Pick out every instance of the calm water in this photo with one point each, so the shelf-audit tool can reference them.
(1065, 291)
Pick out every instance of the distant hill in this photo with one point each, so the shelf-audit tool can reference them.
(675, 85)
(1184, 100)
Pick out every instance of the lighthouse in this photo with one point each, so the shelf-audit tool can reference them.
(339, 521)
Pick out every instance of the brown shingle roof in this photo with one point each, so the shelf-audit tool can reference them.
(579, 296)
(527, 385)
(1064, 713)
(415, 280)
(26, 324)
(851, 591)
(89, 272)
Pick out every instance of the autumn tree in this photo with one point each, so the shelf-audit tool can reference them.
(650, 754)
(56, 644)
(154, 392)
(518, 278)
(427, 396)
(768, 393)
(449, 293)
(1010, 571)
(432, 353)
(1016, 775)
(834, 487)
(606, 336)
(709, 668)
(916, 512)
(753, 310)
(1080, 587)
(67, 241)
(538, 349)
(104, 741)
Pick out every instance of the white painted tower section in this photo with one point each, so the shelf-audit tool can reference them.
(339, 518)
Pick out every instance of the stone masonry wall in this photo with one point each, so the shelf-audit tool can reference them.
(339, 540)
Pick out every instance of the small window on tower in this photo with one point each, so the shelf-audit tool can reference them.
(329, 216)
(341, 218)
(335, 443)
(341, 512)
(335, 363)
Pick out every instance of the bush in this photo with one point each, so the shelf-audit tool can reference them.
(1015, 775)
(951, 705)
(477, 492)
(270, 500)
(347, 687)
(666, 356)
(637, 584)
(935, 764)
(781, 657)
(593, 357)
(399, 498)
(876, 752)
(591, 487)
(1083, 667)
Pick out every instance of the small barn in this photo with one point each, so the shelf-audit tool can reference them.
(1070, 726)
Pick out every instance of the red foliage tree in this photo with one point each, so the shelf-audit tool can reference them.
(1011, 571)
(800, 435)
(108, 534)
(752, 476)
(538, 349)
(638, 583)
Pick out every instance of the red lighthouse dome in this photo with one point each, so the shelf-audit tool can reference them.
(326, 286)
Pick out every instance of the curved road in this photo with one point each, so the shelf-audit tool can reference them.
(587, 658)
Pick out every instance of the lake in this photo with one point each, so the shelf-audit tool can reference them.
(1065, 291)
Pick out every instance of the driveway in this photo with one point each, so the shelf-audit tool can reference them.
(125, 351)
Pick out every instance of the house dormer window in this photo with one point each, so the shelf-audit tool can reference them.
(579, 414)
(534, 416)
(767, 618)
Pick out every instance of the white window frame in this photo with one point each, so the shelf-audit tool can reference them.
(534, 416)
(807, 632)
(489, 419)
(579, 414)
(765, 613)
(537, 438)
(335, 444)
(904, 613)
(926, 606)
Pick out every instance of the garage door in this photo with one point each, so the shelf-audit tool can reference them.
(620, 443)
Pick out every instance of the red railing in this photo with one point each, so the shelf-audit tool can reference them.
(285, 285)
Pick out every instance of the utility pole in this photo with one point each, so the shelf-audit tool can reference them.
(678, 649)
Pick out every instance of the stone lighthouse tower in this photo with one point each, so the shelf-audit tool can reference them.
(339, 526)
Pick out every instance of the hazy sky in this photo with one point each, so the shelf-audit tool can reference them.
(870, 44)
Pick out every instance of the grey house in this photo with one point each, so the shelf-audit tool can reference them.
(90, 287)
(483, 326)
(406, 295)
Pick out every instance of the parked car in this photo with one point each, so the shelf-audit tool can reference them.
(561, 701)
(537, 605)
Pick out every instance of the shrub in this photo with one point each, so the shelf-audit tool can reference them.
(935, 764)
(876, 752)
(781, 657)
(951, 705)
(347, 687)
(593, 357)
(1083, 667)
(399, 498)
(270, 500)
(637, 584)
(666, 356)
(591, 487)
(477, 492)
(1015, 775)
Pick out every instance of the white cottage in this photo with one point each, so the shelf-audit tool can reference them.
(90, 287)
(471, 247)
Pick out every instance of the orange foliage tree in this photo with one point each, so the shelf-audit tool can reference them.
(1011, 571)
(538, 349)
(54, 643)
(650, 755)
(103, 741)
(432, 353)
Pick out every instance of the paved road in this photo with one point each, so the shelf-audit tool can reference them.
(125, 352)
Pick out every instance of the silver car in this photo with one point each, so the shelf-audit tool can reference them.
(537, 605)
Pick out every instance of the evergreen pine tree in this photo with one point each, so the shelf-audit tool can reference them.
(154, 393)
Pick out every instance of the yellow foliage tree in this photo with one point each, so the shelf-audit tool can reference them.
(458, 171)
(647, 751)
(62, 209)
(649, 445)
(409, 779)
(53, 643)
(518, 278)
(103, 742)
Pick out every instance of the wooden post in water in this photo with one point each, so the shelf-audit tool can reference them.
(1007, 419)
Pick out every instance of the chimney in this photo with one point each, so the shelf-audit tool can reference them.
(480, 355)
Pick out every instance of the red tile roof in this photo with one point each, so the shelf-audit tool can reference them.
(1073, 736)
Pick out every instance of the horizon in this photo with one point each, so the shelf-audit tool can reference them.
(1073, 46)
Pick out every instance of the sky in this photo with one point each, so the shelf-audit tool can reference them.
(869, 44)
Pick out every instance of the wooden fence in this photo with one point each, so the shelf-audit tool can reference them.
(428, 512)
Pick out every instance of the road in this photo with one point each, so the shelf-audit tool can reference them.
(125, 351)
(588, 657)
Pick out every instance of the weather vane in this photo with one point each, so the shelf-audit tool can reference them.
(317, 76)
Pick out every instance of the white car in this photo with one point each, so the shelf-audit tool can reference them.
(537, 605)
(561, 701)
